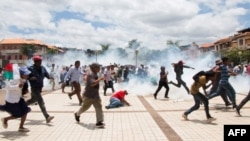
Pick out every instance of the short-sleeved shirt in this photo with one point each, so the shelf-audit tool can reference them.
(197, 85)
(119, 95)
(13, 92)
(91, 91)
(224, 74)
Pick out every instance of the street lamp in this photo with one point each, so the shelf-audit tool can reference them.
(239, 53)
(96, 52)
(136, 55)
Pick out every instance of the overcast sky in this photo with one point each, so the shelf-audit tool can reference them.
(87, 23)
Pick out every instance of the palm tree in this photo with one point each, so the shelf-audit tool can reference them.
(104, 47)
(133, 44)
(173, 43)
(28, 50)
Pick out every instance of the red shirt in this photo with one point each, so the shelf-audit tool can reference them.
(119, 95)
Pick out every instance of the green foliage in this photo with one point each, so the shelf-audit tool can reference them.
(238, 56)
(51, 51)
(173, 43)
(28, 50)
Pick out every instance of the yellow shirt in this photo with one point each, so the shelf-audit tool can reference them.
(196, 85)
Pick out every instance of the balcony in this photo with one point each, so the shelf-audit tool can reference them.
(4, 52)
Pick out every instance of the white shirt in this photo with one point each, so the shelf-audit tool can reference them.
(13, 92)
(74, 74)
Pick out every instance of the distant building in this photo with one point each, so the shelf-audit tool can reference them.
(10, 50)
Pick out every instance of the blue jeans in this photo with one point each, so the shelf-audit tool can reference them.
(114, 103)
(197, 99)
(229, 90)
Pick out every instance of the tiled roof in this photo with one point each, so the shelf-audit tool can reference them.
(21, 41)
(242, 35)
(206, 45)
(224, 40)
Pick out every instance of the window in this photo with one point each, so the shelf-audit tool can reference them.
(241, 42)
(20, 57)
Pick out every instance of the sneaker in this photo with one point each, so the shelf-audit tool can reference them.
(5, 125)
(100, 124)
(23, 130)
(228, 104)
(238, 112)
(69, 96)
(209, 120)
(155, 96)
(185, 117)
(77, 118)
(107, 107)
(48, 120)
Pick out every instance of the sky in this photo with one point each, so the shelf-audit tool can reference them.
(85, 24)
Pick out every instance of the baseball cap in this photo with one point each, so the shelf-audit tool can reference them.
(37, 58)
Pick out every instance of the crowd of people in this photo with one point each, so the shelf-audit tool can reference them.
(90, 76)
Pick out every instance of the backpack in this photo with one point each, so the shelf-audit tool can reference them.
(197, 75)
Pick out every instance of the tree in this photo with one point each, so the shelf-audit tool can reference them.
(28, 50)
(173, 43)
(51, 51)
(133, 44)
(104, 47)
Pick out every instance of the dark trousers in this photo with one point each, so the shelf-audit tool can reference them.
(198, 98)
(36, 96)
(244, 101)
(76, 90)
(107, 85)
(223, 94)
(179, 83)
(162, 84)
(229, 90)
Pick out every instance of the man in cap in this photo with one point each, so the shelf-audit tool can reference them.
(38, 72)
(215, 83)
(178, 68)
(91, 95)
(224, 84)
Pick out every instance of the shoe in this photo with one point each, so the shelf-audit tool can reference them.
(185, 117)
(234, 106)
(48, 120)
(209, 120)
(5, 125)
(69, 96)
(77, 118)
(100, 124)
(166, 97)
(155, 96)
(107, 107)
(228, 104)
(238, 112)
(80, 103)
(23, 130)
(170, 82)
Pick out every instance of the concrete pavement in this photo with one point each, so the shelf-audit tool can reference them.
(146, 120)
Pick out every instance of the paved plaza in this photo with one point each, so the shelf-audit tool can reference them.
(146, 120)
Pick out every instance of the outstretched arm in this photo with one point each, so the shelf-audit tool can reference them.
(184, 66)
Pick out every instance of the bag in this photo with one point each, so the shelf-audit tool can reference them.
(197, 75)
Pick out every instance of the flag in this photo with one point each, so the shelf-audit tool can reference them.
(8, 71)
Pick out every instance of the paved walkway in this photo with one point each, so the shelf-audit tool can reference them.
(146, 120)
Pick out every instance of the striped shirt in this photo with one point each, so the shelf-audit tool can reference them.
(224, 74)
